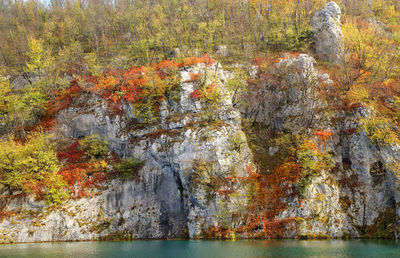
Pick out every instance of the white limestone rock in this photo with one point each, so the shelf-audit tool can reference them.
(328, 36)
(165, 202)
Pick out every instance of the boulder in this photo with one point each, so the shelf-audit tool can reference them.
(222, 50)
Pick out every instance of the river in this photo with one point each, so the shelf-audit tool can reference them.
(208, 249)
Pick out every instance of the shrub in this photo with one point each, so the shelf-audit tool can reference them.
(94, 146)
(84, 165)
(129, 168)
(380, 130)
(32, 167)
(312, 161)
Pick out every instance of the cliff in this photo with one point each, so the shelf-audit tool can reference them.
(189, 150)
(169, 198)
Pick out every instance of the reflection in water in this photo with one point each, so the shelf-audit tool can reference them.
(194, 249)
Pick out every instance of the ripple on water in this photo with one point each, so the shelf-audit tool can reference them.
(194, 249)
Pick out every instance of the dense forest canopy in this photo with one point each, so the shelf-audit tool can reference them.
(76, 34)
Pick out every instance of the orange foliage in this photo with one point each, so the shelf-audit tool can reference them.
(206, 59)
(61, 101)
(323, 136)
(132, 85)
(193, 77)
(5, 215)
(218, 233)
(268, 60)
(115, 85)
(275, 228)
(258, 61)
(268, 198)
(45, 124)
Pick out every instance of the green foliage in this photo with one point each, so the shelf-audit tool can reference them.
(366, 57)
(35, 55)
(386, 10)
(203, 177)
(147, 30)
(23, 109)
(380, 130)
(31, 168)
(369, 76)
(141, 50)
(95, 147)
(238, 86)
(92, 63)
(4, 96)
(295, 153)
(312, 161)
(129, 168)
(20, 110)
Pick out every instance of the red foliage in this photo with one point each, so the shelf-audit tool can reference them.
(79, 172)
(211, 87)
(206, 59)
(73, 173)
(132, 85)
(163, 65)
(347, 105)
(196, 94)
(60, 102)
(46, 124)
(71, 154)
(114, 86)
(350, 131)
(258, 61)
(114, 109)
(275, 228)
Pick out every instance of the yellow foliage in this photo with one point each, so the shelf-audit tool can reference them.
(35, 55)
(31, 167)
(380, 130)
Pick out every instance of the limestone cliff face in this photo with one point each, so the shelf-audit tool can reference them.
(364, 186)
(194, 146)
(171, 198)
(363, 192)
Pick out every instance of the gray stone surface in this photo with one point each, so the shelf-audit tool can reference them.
(341, 202)
(164, 202)
(328, 37)
(222, 50)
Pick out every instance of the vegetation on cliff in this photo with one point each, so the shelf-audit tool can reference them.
(128, 55)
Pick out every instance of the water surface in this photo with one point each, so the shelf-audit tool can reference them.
(194, 249)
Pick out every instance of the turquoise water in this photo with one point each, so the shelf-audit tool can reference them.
(207, 249)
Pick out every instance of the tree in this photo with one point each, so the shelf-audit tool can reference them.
(32, 168)
(35, 60)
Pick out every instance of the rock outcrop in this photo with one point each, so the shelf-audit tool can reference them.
(176, 193)
(363, 190)
(328, 37)
(194, 155)
(222, 50)
(301, 97)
